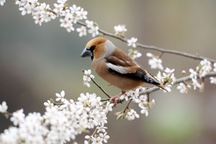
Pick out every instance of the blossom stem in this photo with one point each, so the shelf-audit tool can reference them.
(127, 107)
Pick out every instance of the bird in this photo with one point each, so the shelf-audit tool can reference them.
(117, 68)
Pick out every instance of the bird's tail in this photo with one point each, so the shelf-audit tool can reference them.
(149, 78)
(163, 87)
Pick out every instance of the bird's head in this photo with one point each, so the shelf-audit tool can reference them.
(98, 48)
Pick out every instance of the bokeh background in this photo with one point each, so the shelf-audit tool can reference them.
(38, 61)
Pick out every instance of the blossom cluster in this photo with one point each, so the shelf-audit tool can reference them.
(204, 68)
(201, 70)
(167, 77)
(68, 15)
(142, 100)
(120, 30)
(87, 77)
(60, 123)
(134, 53)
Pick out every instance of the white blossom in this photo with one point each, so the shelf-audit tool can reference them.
(10, 136)
(134, 53)
(102, 129)
(193, 74)
(120, 30)
(58, 8)
(60, 96)
(196, 83)
(89, 24)
(125, 96)
(2, 2)
(214, 67)
(182, 88)
(82, 14)
(66, 23)
(42, 14)
(74, 9)
(213, 80)
(109, 106)
(87, 77)
(62, 1)
(27, 9)
(131, 115)
(168, 77)
(155, 62)
(132, 42)
(94, 31)
(204, 68)
(17, 117)
(3, 107)
(93, 28)
(104, 137)
(145, 104)
(48, 104)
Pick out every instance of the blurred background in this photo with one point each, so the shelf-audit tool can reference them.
(38, 61)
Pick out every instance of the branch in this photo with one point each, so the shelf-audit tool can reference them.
(183, 79)
(99, 87)
(184, 54)
(124, 39)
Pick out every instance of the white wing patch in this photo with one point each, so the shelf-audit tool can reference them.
(116, 68)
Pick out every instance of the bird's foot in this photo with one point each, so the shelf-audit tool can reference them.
(114, 99)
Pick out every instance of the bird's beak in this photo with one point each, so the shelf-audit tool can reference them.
(86, 53)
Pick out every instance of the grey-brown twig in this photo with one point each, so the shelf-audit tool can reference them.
(124, 39)
(99, 87)
(177, 81)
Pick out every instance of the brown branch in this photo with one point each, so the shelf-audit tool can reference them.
(183, 79)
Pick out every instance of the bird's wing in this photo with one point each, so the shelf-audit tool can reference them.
(130, 69)
(121, 65)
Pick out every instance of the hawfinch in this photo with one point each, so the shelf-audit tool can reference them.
(116, 67)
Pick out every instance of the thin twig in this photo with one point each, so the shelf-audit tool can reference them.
(128, 103)
(99, 87)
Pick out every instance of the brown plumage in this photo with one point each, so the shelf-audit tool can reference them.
(116, 67)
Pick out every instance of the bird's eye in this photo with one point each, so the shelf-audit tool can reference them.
(92, 48)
